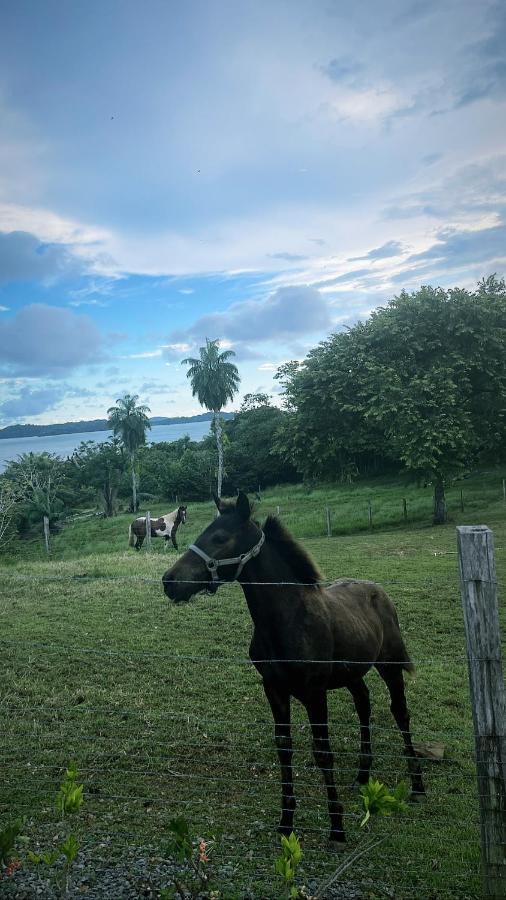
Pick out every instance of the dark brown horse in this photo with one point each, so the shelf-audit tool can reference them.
(308, 638)
(165, 526)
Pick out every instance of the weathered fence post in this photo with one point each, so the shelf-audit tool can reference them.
(461, 500)
(329, 526)
(405, 510)
(148, 531)
(277, 510)
(486, 685)
(370, 514)
(504, 489)
(46, 533)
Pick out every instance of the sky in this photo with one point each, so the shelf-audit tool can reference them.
(263, 173)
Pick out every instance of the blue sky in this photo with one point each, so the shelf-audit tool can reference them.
(263, 173)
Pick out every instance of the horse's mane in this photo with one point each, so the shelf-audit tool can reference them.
(304, 569)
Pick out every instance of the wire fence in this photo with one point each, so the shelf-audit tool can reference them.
(185, 729)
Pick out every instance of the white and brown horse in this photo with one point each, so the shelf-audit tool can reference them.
(165, 526)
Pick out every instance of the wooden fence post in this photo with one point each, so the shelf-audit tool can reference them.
(148, 531)
(405, 510)
(461, 500)
(329, 526)
(277, 510)
(370, 514)
(46, 533)
(504, 489)
(486, 685)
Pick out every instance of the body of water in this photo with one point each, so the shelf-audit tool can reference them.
(65, 444)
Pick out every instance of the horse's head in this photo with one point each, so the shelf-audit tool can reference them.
(181, 514)
(219, 553)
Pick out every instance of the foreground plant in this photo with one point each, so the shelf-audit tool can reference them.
(286, 866)
(69, 800)
(376, 801)
(9, 836)
(194, 852)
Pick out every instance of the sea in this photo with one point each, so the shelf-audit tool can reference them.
(64, 444)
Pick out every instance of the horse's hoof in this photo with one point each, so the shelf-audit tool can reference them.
(337, 840)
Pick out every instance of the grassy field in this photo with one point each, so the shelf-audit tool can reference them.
(165, 716)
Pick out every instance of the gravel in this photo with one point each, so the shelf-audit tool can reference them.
(139, 874)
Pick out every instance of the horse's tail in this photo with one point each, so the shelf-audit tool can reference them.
(132, 538)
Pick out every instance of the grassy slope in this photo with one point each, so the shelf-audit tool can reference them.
(88, 670)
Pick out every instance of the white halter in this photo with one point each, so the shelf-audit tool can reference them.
(212, 565)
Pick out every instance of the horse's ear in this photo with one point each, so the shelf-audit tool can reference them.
(243, 506)
(217, 501)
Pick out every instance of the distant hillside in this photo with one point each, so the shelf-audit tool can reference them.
(19, 431)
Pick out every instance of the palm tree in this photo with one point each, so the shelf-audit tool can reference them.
(129, 422)
(214, 380)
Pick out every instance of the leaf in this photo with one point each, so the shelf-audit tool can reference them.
(377, 800)
(8, 837)
(70, 848)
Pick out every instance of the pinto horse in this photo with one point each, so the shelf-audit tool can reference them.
(165, 526)
(308, 638)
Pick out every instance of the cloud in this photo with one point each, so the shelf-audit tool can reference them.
(475, 188)
(391, 248)
(32, 402)
(23, 257)
(47, 340)
(342, 69)
(148, 354)
(456, 247)
(287, 257)
(154, 387)
(352, 275)
(288, 312)
(485, 65)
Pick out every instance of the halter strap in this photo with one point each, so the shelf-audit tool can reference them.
(212, 565)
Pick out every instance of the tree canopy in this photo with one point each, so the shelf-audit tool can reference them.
(129, 422)
(420, 384)
(214, 381)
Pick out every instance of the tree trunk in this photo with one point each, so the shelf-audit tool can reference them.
(439, 502)
(134, 487)
(219, 444)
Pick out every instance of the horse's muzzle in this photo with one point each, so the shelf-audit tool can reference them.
(181, 591)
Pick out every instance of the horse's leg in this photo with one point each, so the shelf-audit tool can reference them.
(280, 706)
(317, 711)
(360, 693)
(173, 538)
(140, 541)
(394, 680)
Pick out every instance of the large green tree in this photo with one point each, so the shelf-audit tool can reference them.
(214, 381)
(38, 481)
(422, 383)
(129, 421)
(101, 466)
(252, 433)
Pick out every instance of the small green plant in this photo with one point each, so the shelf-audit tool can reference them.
(69, 799)
(378, 801)
(286, 865)
(9, 836)
(194, 853)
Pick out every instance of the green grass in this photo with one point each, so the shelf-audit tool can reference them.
(165, 716)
